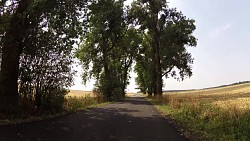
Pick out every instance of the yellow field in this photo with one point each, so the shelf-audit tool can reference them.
(79, 93)
(235, 96)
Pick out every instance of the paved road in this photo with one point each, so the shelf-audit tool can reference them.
(131, 120)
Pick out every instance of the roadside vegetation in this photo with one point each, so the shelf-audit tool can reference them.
(40, 40)
(211, 114)
(78, 100)
(74, 101)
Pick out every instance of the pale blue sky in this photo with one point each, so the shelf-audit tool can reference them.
(222, 55)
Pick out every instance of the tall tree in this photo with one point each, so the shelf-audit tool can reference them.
(146, 15)
(170, 33)
(108, 48)
(26, 16)
(11, 50)
(105, 27)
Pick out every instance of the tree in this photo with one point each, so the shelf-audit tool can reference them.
(45, 68)
(108, 48)
(11, 49)
(170, 33)
(146, 15)
(145, 67)
(29, 20)
(129, 50)
(105, 27)
(176, 37)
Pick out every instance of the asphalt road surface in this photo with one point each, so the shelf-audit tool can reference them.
(133, 119)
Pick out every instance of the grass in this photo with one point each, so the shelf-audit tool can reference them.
(79, 100)
(74, 101)
(212, 114)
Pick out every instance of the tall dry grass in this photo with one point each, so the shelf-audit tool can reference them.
(211, 115)
(78, 100)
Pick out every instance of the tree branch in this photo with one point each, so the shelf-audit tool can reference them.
(170, 69)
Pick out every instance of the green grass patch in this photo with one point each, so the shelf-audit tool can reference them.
(204, 121)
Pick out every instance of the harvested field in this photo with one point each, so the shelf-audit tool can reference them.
(235, 96)
(80, 93)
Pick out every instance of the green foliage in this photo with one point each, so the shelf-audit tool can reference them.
(52, 101)
(144, 67)
(167, 33)
(46, 50)
(112, 83)
(46, 61)
(176, 37)
(108, 48)
(112, 37)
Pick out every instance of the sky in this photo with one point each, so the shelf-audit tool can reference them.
(222, 55)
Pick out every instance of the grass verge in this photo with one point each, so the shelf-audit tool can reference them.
(71, 104)
(199, 120)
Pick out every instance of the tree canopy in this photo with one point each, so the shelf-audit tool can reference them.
(37, 40)
(167, 33)
(108, 48)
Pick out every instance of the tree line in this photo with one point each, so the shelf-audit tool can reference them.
(37, 39)
(149, 33)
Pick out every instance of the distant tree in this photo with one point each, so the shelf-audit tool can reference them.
(145, 67)
(129, 50)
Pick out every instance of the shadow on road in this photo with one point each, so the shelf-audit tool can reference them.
(136, 101)
(133, 119)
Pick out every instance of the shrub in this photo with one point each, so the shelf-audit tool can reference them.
(52, 100)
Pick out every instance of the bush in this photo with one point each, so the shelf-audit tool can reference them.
(51, 101)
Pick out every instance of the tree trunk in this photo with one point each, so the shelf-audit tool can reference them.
(9, 77)
(106, 85)
(158, 63)
(154, 80)
(150, 92)
(154, 73)
(124, 83)
(159, 77)
(106, 92)
(156, 47)
(11, 50)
